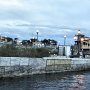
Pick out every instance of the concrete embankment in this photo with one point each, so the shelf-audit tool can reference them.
(19, 66)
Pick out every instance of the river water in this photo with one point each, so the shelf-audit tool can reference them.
(58, 81)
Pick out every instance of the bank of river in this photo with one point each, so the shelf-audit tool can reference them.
(23, 66)
(58, 81)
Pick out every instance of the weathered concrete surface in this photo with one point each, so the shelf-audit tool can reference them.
(80, 64)
(19, 66)
(16, 66)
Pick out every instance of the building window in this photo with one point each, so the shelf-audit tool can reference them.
(88, 44)
(83, 43)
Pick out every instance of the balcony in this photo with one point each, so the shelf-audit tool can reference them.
(85, 47)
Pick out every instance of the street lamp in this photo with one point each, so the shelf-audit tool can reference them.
(65, 39)
(79, 32)
(78, 40)
(82, 39)
(75, 37)
(37, 34)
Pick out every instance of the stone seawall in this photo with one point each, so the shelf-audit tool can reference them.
(19, 66)
(58, 64)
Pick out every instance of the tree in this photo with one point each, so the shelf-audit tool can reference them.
(9, 39)
(49, 42)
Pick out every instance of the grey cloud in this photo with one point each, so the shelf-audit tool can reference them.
(53, 18)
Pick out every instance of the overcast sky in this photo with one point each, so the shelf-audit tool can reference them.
(53, 18)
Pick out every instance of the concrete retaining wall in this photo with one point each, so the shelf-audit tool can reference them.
(18, 66)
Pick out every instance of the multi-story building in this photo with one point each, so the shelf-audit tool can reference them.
(5, 40)
(82, 44)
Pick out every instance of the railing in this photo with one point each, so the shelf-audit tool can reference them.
(85, 47)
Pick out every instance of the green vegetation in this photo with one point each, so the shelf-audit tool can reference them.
(12, 51)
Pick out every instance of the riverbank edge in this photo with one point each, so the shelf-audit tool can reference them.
(34, 66)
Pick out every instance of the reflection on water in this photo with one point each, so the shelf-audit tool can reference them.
(60, 81)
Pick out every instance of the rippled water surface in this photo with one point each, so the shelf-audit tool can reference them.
(60, 81)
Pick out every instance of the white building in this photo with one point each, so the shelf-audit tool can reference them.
(37, 44)
(64, 50)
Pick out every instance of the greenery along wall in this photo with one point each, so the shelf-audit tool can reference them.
(13, 51)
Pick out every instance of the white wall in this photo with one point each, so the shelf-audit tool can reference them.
(67, 50)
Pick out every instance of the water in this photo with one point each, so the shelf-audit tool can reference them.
(59, 81)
